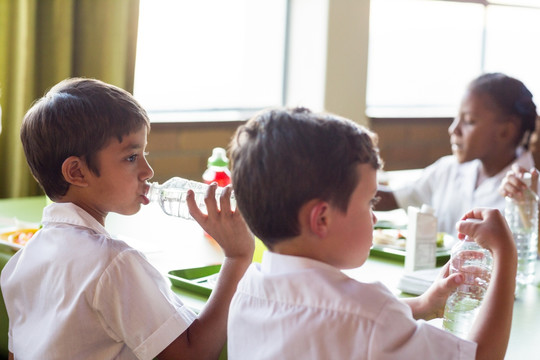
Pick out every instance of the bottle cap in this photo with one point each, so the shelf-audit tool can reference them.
(218, 158)
(526, 178)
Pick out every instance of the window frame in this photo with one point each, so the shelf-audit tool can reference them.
(212, 115)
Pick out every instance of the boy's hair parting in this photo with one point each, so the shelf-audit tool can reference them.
(76, 117)
(513, 98)
(283, 158)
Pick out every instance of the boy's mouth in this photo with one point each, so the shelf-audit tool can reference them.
(145, 200)
(144, 196)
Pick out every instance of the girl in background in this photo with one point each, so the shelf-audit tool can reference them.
(491, 133)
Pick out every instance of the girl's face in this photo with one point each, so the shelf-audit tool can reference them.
(476, 132)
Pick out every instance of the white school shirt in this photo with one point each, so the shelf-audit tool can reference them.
(296, 308)
(449, 188)
(75, 293)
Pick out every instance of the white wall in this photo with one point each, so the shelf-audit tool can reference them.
(328, 53)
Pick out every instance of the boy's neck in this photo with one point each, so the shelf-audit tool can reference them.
(301, 247)
(90, 210)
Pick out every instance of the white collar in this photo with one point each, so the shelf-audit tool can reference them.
(273, 263)
(69, 213)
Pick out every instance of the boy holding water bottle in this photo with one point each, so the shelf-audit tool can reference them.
(306, 185)
(74, 292)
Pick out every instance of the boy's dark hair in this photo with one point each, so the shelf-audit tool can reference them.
(283, 158)
(77, 117)
(512, 98)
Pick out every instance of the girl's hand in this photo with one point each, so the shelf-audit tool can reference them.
(513, 186)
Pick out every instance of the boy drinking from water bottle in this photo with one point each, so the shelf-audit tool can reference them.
(74, 292)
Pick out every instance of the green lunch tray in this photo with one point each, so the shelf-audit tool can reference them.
(388, 252)
(200, 280)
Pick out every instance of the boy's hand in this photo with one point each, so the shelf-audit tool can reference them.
(491, 329)
(225, 225)
(430, 305)
(492, 232)
(513, 186)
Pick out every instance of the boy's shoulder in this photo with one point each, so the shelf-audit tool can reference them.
(69, 229)
(304, 282)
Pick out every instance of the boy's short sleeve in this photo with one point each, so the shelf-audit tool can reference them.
(396, 336)
(135, 305)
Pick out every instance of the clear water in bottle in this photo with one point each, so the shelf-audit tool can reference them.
(526, 245)
(459, 314)
(522, 218)
(172, 196)
(474, 262)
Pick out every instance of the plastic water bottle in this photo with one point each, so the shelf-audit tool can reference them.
(475, 263)
(522, 218)
(171, 196)
(218, 168)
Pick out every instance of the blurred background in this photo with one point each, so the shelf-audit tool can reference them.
(201, 68)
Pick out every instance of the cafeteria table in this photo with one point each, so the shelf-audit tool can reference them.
(171, 243)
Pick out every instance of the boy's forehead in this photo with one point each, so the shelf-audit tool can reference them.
(367, 176)
(133, 140)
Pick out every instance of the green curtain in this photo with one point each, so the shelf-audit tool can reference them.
(45, 41)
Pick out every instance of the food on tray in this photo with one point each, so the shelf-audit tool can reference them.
(393, 237)
(19, 237)
(398, 238)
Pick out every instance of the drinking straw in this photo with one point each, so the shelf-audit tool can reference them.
(525, 220)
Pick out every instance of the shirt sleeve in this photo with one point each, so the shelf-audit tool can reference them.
(397, 335)
(421, 190)
(136, 306)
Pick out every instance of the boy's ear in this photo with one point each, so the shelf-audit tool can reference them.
(73, 170)
(319, 218)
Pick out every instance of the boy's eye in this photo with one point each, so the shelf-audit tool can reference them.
(132, 158)
(374, 201)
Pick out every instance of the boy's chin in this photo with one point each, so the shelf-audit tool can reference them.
(353, 264)
(131, 211)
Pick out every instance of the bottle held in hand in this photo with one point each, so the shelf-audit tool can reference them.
(522, 217)
(474, 262)
(171, 196)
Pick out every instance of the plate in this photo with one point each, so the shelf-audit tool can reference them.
(17, 238)
(390, 243)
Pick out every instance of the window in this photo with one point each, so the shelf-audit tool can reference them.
(224, 57)
(422, 53)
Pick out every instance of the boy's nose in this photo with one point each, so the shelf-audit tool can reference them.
(373, 217)
(148, 172)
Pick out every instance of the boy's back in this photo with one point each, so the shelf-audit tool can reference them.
(310, 310)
